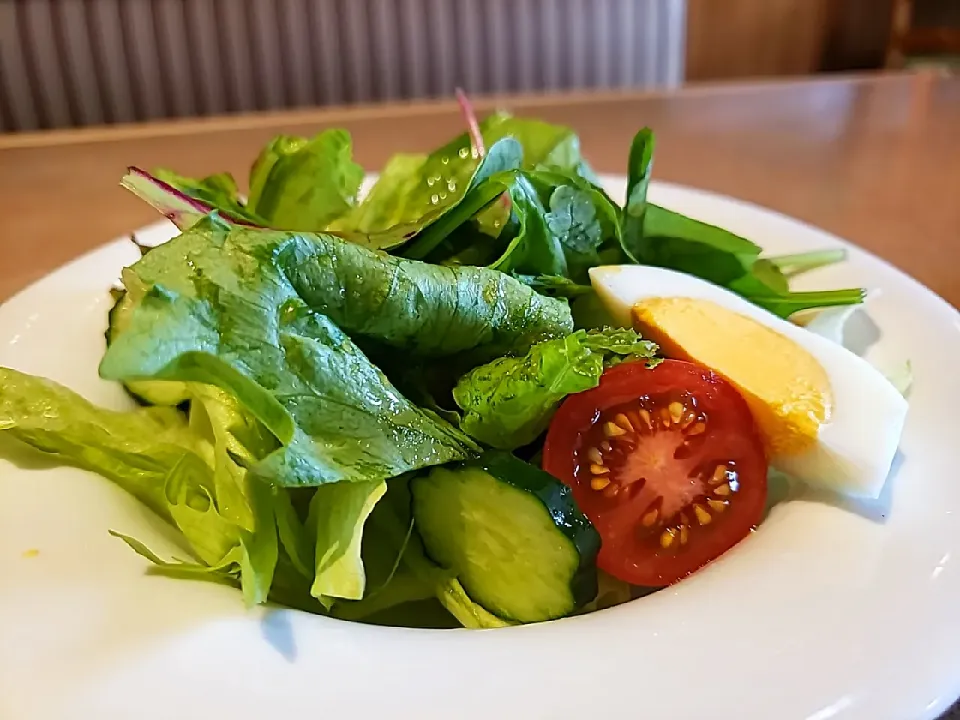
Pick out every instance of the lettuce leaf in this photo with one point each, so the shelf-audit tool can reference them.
(192, 505)
(235, 436)
(508, 403)
(580, 220)
(338, 513)
(226, 571)
(236, 309)
(301, 184)
(234, 532)
(260, 547)
(153, 454)
(137, 450)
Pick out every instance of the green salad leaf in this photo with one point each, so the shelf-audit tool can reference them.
(216, 191)
(415, 191)
(305, 184)
(681, 243)
(536, 249)
(509, 402)
(413, 188)
(226, 571)
(391, 202)
(136, 450)
(427, 310)
(338, 513)
(558, 225)
(155, 455)
(639, 169)
(185, 201)
(295, 184)
(222, 307)
(485, 185)
(237, 437)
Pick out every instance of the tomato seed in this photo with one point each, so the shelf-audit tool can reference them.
(599, 483)
(703, 517)
(667, 537)
(650, 518)
(676, 411)
(611, 430)
(645, 416)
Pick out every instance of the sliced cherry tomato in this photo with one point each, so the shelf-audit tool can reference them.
(666, 462)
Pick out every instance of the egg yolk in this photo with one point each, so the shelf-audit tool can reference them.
(786, 388)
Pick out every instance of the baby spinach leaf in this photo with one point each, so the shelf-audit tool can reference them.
(639, 169)
(536, 250)
(485, 185)
(675, 241)
(301, 184)
(388, 204)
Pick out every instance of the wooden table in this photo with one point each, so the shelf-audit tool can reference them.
(874, 159)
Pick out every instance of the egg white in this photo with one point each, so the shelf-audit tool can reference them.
(856, 447)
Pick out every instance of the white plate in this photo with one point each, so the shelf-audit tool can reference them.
(825, 612)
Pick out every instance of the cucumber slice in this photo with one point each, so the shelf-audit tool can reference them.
(513, 535)
(151, 392)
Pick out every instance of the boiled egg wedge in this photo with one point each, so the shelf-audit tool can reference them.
(827, 417)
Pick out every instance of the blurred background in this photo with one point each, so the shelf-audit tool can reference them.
(70, 63)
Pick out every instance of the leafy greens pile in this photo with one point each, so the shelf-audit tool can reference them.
(313, 351)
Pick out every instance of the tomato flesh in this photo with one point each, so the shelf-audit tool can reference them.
(667, 463)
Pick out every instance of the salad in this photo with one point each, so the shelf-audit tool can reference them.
(484, 394)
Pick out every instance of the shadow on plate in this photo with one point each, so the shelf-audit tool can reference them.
(278, 632)
(860, 333)
(876, 510)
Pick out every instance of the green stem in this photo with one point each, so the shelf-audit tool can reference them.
(786, 305)
(793, 265)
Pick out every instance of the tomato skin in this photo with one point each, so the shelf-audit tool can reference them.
(630, 551)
